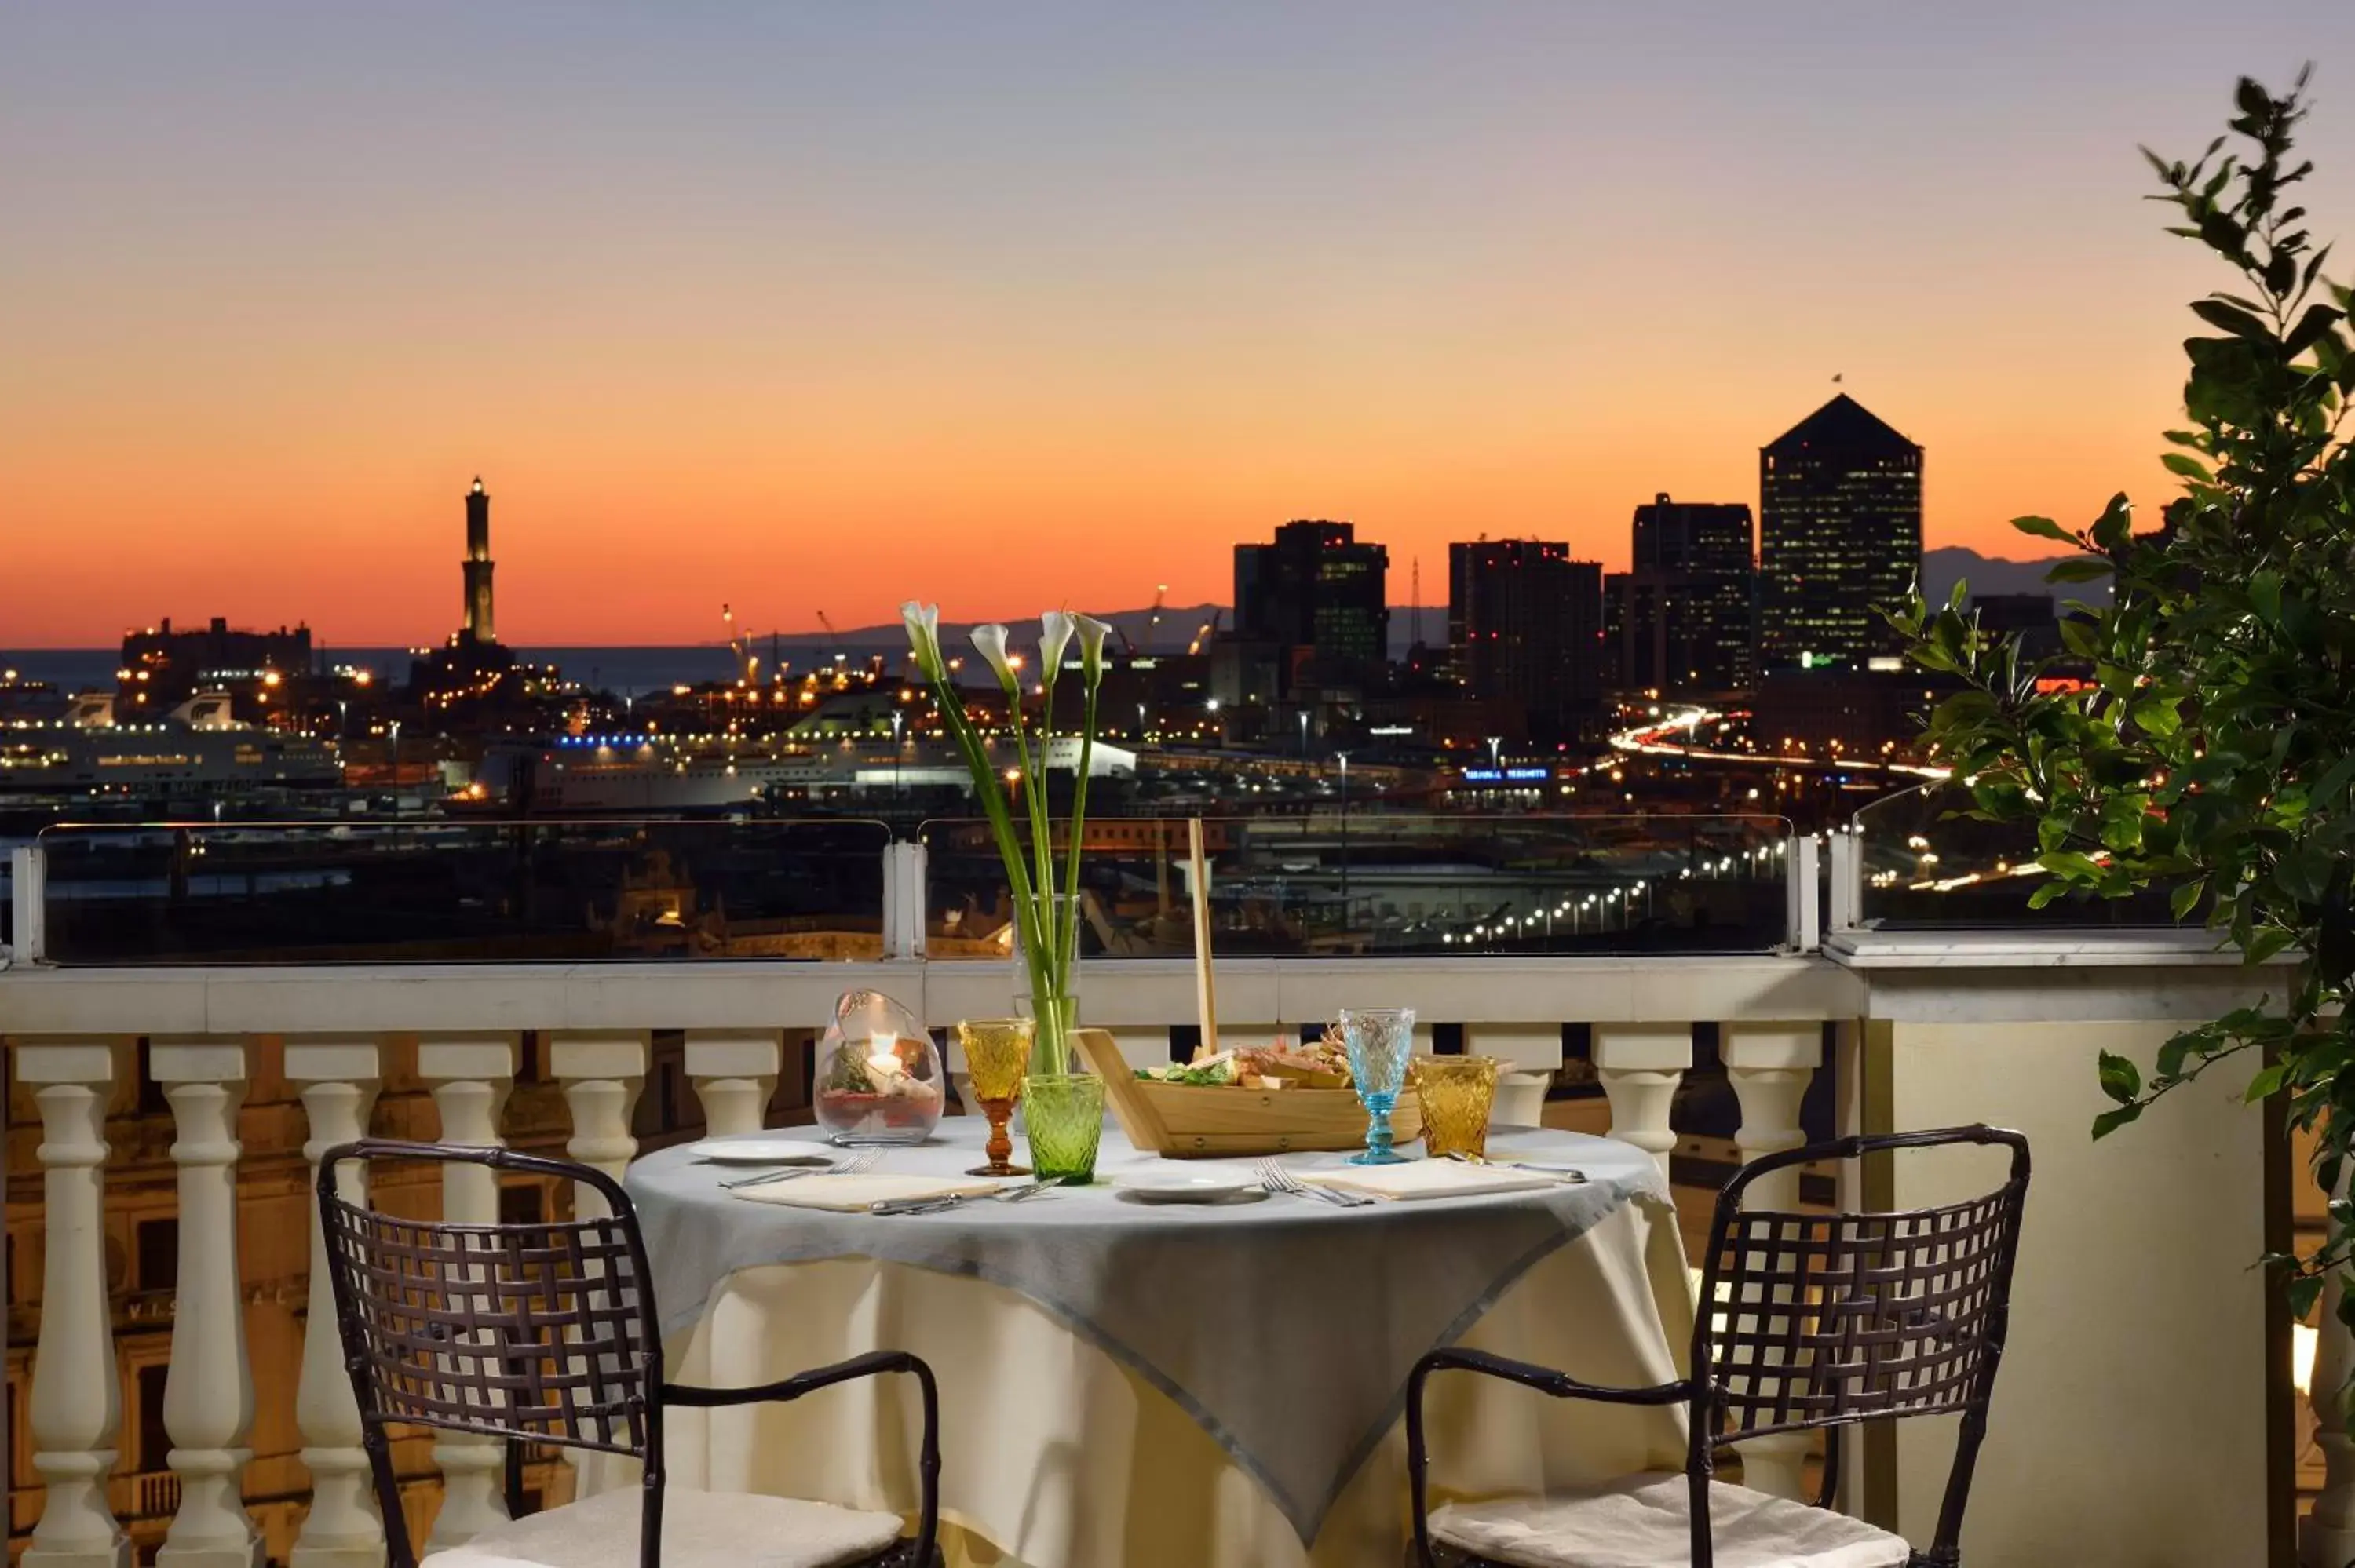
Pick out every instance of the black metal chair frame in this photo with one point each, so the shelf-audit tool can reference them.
(1961, 1380)
(622, 1375)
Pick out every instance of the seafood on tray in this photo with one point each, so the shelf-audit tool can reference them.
(1283, 1064)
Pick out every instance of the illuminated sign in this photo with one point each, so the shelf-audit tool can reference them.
(1507, 775)
(1391, 729)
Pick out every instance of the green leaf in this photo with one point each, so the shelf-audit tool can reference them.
(2115, 526)
(2120, 1078)
(2078, 569)
(2190, 468)
(2267, 942)
(2301, 1294)
(2265, 597)
(2231, 318)
(2044, 528)
(2265, 1081)
(2186, 898)
(2311, 327)
(2109, 1121)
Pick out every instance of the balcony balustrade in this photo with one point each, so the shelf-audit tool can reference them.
(2131, 1423)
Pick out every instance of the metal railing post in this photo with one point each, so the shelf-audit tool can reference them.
(1803, 901)
(1847, 896)
(28, 871)
(903, 900)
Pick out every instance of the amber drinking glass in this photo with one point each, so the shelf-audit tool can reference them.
(1456, 1094)
(996, 1054)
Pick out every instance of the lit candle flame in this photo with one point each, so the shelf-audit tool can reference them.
(883, 1054)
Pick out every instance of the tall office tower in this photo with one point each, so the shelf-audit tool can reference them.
(1527, 624)
(1840, 540)
(1685, 617)
(478, 623)
(1316, 597)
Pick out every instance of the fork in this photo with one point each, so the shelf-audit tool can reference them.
(857, 1164)
(1275, 1178)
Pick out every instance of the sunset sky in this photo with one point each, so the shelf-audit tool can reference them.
(818, 306)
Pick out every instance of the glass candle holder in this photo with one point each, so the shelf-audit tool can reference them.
(1379, 1041)
(997, 1053)
(878, 1076)
(1457, 1093)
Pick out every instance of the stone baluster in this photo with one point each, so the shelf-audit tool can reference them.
(1769, 1066)
(77, 1402)
(2326, 1537)
(734, 1073)
(602, 1072)
(470, 1076)
(339, 1081)
(1640, 1065)
(208, 1391)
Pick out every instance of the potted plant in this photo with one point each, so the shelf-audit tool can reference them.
(2213, 750)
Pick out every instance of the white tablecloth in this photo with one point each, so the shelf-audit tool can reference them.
(1135, 1384)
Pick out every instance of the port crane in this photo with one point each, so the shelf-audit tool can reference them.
(1209, 628)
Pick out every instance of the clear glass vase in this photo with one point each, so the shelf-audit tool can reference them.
(1047, 983)
(1064, 1116)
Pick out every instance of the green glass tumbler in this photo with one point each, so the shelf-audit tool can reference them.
(1064, 1116)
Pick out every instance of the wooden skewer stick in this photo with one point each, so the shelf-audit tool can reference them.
(1206, 998)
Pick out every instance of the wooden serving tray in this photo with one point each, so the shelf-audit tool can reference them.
(1187, 1121)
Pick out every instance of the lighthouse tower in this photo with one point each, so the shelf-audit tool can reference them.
(478, 622)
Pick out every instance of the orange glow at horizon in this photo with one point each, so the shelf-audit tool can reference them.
(813, 310)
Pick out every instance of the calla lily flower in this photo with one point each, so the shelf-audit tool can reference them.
(991, 641)
(1091, 633)
(1055, 629)
(923, 624)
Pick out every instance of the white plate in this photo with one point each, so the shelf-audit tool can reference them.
(1175, 1183)
(763, 1151)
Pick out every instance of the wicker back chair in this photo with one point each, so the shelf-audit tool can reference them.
(1813, 1321)
(541, 1332)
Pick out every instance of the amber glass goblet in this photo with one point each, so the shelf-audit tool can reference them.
(996, 1054)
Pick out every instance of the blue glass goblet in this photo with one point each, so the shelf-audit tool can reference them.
(1379, 1041)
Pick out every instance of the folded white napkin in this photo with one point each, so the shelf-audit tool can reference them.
(1428, 1179)
(856, 1194)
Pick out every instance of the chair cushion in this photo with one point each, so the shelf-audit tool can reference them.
(1641, 1521)
(701, 1530)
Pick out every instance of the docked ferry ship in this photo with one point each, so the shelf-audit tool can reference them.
(586, 776)
(199, 752)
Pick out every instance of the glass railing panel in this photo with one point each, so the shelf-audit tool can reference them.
(444, 892)
(1924, 866)
(1373, 886)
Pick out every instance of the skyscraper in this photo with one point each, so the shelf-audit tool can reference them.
(1685, 617)
(478, 626)
(1840, 504)
(1527, 624)
(1318, 598)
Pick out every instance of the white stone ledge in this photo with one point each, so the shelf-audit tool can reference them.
(443, 999)
(2024, 949)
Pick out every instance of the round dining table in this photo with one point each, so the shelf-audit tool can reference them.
(1145, 1383)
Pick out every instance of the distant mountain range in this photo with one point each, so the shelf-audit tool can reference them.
(1178, 625)
(1991, 574)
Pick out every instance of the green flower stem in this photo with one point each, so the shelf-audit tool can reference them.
(1079, 820)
